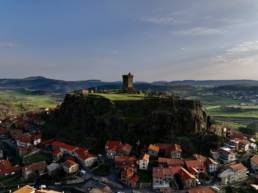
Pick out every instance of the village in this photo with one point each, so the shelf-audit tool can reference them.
(28, 159)
(30, 162)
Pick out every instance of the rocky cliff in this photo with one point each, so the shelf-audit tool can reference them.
(92, 119)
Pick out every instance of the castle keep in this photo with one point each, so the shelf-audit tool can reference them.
(127, 82)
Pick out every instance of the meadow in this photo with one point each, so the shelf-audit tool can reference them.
(15, 102)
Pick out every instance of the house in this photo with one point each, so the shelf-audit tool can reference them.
(25, 189)
(195, 167)
(124, 161)
(144, 162)
(211, 165)
(162, 177)
(114, 148)
(7, 169)
(57, 154)
(226, 155)
(105, 189)
(233, 173)
(254, 163)
(215, 154)
(85, 157)
(188, 179)
(176, 151)
(153, 150)
(36, 139)
(201, 189)
(133, 182)
(126, 149)
(53, 169)
(129, 177)
(173, 151)
(167, 162)
(24, 140)
(233, 144)
(34, 168)
(63, 147)
(244, 145)
(29, 189)
(70, 166)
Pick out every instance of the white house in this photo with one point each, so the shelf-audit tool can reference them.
(234, 173)
(144, 162)
(70, 166)
(87, 158)
(212, 165)
(226, 155)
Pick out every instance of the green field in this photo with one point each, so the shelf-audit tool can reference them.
(230, 112)
(120, 96)
(13, 102)
(251, 112)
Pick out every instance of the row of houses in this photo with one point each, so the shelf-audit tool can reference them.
(81, 153)
(170, 167)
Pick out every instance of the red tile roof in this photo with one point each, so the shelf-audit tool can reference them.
(238, 167)
(193, 165)
(83, 153)
(171, 162)
(176, 147)
(153, 147)
(56, 152)
(125, 159)
(126, 148)
(128, 172)
(6, 167)
(36, 166)
(69, 163)
(254, 159)
(113, 145)
(200, 157)
(134, 179)
(201, 190)
(158, 172)
(169, 147)
(63, 145)
(185, 175)
(24, 138)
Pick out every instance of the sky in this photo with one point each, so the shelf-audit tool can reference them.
(153, 39)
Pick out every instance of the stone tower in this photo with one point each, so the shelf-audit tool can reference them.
(128, 82)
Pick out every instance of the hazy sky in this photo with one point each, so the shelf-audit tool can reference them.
(153, 39)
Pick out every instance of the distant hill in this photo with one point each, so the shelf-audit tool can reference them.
(46, 85)
(208, 83)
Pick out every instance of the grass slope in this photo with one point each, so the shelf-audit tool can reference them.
(15, 102)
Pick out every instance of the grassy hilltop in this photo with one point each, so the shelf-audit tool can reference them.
(113, 96)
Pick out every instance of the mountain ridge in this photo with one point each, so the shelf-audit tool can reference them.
(40, 83)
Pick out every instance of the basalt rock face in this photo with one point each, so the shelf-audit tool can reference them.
(149, 120)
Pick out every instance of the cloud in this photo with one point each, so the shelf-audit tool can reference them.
(8, 45)
(243, 48)
(239, 61)
(164, 20)
(199, 31)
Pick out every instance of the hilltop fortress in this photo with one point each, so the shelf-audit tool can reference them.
(132, 117)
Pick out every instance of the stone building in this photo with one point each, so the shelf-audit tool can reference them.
(127, 82)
